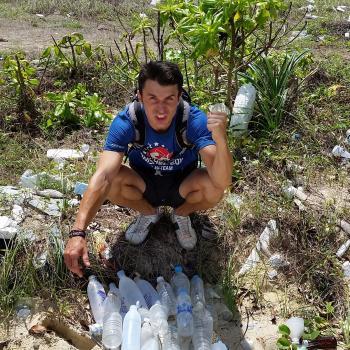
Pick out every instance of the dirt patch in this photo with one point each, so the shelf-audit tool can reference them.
(22, 35)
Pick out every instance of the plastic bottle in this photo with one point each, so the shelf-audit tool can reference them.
(130, 291)
(159, 319)
(148, 340)
(197, 293)
(112, 322)
(180, 281)
(243, 108)
(96, 294)
(202, 330)
(173, 339)
(219, 346)
(184, 318)
(124, 306)
(166, 294)
(149, 293)
(131, 336)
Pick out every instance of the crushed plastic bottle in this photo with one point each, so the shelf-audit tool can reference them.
(166, 294)
(112, 321)
(130, 291)
(197, 293)
(180, 281)
(184, 317)
(149, 293)
(148, 340)
(159, 321)
(131, 336)
(97, 295)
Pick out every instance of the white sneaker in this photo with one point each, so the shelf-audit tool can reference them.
(137, 231)
(185, 233)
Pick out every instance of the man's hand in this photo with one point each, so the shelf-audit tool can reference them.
(76, 247)
(217, 123)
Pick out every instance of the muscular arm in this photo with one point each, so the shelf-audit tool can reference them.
(96, 193)
(219, 163)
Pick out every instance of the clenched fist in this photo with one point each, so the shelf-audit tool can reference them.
(217, 123)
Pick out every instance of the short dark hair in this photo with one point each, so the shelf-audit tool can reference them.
(164, 72)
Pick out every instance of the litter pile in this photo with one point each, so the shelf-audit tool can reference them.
(179, 315)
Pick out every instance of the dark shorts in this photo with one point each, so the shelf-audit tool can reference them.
(164, 189)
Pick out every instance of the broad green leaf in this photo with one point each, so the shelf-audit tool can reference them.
(284, 330)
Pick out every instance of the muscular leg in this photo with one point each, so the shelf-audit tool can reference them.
(127, 190)
(199, 193)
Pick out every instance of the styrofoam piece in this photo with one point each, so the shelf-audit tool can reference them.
(343, 249)
(64, 153)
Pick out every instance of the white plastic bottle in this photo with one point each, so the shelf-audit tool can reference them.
(131, 336)
(202, 330)
(197, 293)
(149, 293)
(184, 317)
(124, 306)
(166, 294)
(130, 291)
(112, 322)
(219, 346)
(148, 340)
(180, 281)
(96, 294)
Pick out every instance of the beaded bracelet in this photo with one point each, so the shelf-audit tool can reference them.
(77, 233)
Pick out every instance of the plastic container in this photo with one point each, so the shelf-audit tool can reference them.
(197, 293)
(112, 322)
(173, 339)
(124, 307)
(131, 336)
(166, 294)
(130, 291)
(243, 109)
(202, 330)
(219, 346)
(339, 151)
(159, 319)
(184, 317)
(180, 281)
(149, 293)
(96, 294)
(146, 331)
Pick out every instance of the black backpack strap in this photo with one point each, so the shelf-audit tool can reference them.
(182, 115)
(137, 118)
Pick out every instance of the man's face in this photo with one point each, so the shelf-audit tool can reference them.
(160, 103)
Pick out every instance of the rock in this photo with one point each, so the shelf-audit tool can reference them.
(300, 205)
(27, 235)
(40, 260)
(17, 213)
(50, 193)
(13, 194)
(277, 261)
(50, 206)
(272, 274)
(64, 154)
(8, 228)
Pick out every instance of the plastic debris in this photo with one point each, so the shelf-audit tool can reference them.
(73, 202)
(219, 107)
(341, 8)
(346, 269)
(347, 35)
(343, 249)
(39, 261)
(85, 148)
(64, 153)
(339, 151)
(262, 245)
(299, 204)
(291, 191)
(243, 109)
(80, 188)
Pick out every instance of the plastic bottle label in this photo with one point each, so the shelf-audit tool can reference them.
(101, 294)
(184, 308)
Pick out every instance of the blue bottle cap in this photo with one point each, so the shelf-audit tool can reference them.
(178, 268)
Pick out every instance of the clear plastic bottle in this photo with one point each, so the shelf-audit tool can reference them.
(173, 339)
(96, 294)
(131, 335)
(202, 330)
(197, 293)
(124, 306)
(112, 322)
(148, 340)
(166, 294)
(130, 291)
(180, 281)
(159, 320)
(219, 346)
(149, 293)
(184, 317)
